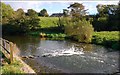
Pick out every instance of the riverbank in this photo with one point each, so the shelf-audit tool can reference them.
(15, 67)
(107, 39)
(104, 38)
(10, 69)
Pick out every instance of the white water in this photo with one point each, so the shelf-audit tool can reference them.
(65, 52)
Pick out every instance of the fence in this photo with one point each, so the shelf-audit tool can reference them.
(8, 48)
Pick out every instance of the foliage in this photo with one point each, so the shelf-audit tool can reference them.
(108, 39)
(77, 11)
(19, 23)
(31, 13)
(43, 13)
(66, 12)
(8, 12)
(106, 10)
(60, 35)
(100, 24)
(76, 26)
(82, 31)
(107, 18)
(14, 68)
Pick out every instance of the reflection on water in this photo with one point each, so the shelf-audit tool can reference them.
(66, 56)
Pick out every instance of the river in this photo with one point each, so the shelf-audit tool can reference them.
(53, 56)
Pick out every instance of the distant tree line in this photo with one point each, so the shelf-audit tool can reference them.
(107, 18)
(19, 22)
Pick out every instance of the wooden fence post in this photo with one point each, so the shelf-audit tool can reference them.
(14, 48)
(5, 44)
(11, 52)
(0, 44)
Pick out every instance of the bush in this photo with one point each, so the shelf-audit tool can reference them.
(80, 31)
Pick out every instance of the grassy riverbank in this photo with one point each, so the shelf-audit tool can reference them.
(10, 69)
(107, 39)
(104, 38)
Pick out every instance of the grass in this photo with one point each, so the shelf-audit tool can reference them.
(107, 39)
(46, 22)
(13, 68)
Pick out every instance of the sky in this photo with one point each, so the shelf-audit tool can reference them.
(55, 6)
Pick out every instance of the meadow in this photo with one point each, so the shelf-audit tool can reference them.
(46, 22)
(107, 39)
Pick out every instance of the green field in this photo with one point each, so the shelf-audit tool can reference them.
(106, 38)
(47, 22)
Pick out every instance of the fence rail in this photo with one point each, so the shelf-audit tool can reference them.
(7, 48)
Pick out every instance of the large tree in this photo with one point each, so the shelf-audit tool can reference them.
(77, 11)
(16, 22)
(7, 12)
(43, 13)
(32, 13)
(33, 19)
(107, 17)
(106, 10)
(76, 26)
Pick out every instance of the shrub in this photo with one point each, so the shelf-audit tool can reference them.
(80, 31)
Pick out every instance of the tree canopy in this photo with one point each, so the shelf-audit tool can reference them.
(77, 11)
(43, 13)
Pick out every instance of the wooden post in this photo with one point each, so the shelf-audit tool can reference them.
(5, 44)
(14, 48)
(0, 41)
(11, 52)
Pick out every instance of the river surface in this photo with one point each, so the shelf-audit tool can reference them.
(65, 56)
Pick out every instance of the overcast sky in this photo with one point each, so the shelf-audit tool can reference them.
(56, 6)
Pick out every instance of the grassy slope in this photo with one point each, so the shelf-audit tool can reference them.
(108, 39)
(46, 22)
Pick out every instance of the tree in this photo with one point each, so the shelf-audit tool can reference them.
(106, 10)
(76, 25)
(32, 13)
(107, 18)
(7, 13)
(77, 11)
(33, 19)
(16, 22)
(65, 12)
(43, 13)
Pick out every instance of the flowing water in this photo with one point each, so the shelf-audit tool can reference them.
(65, 56)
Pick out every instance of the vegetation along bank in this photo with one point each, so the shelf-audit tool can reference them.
(74, 24)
